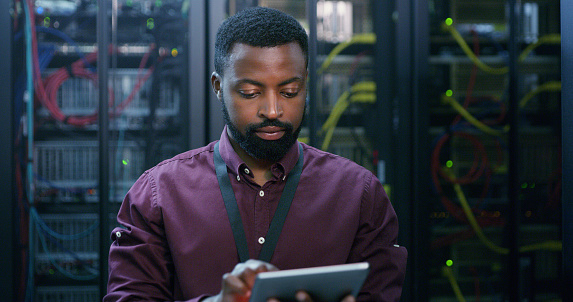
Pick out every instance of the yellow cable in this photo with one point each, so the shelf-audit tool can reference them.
(335, 117)
(330, 121)
(551, 245)
(448, 273)
(363, 98)
(368, 38)
(305, 140)
(337, 109)
(467, 50)
(474, 224)
(548, 86)
(369, 86)
(470, 118)
(340, 106)
(547, 39)
(362, 92)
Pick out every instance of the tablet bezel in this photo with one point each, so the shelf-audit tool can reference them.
(323, 283)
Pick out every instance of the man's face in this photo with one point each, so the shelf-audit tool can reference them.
(263, 92)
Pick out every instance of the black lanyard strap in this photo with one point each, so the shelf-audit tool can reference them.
(235, 216)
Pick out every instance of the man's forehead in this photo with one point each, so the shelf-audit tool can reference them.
(245, 57)
(239, 47)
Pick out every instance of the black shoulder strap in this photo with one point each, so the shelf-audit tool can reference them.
(231, 205)
(235, 216)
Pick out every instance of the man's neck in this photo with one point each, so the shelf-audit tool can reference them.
(261, 169)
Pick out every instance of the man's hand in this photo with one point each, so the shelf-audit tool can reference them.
(302, 296)
(237, 285)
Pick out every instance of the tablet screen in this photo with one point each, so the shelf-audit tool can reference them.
(324, 283)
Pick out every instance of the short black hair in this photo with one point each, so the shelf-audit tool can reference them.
(259, 27)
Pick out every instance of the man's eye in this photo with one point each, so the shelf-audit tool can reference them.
(289, 94)
(247, 95)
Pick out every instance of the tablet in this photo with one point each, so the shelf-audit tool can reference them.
(324, 283)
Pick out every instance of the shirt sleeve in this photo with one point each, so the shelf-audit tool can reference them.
(140, 265)
(376, 243)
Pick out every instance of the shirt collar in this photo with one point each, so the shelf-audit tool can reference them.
(234, 162)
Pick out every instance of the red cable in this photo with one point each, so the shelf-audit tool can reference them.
(483, 217)
(46, 92)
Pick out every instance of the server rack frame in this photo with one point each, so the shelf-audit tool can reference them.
(402, 49)
(567, 144)
(7, 254)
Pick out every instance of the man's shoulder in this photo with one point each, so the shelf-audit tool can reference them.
(325, 161)
(199, 155)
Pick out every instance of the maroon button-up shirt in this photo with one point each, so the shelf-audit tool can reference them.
(178, 243)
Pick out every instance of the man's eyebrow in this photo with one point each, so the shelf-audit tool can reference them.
(249, 81)
(257, 83)
(291, 80)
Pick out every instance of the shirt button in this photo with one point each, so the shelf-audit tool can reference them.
(118, 234)
(247, 171)
(261, 240)
(238, 178)
(261, 193)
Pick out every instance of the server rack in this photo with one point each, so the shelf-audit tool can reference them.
(96, 121)
(410, 114)
(423, 68)
(495, 161)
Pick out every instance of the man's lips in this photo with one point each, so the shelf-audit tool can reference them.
(270, 132)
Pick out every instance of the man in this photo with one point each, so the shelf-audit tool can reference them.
(193, 221)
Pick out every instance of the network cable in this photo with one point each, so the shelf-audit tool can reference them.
(448, 26)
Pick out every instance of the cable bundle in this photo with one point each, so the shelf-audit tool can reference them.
(47, 90)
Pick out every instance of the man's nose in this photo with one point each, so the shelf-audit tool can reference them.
(270, 107)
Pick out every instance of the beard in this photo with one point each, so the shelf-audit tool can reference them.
(268, 150)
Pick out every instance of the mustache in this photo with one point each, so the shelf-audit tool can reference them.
(276, 123)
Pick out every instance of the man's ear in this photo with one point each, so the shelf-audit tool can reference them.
(216, 83)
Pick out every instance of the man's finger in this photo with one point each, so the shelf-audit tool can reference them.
(349, 298)
(302, 296)
(234, 285)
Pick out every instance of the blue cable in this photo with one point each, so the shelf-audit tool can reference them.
(59, 268)
(66, 38)
(54, 186)
(29, 110)
(82, 263)
(45, 228)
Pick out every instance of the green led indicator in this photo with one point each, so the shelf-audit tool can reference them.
(449, 262)
(449, 163)
(51, 271)
(449, 21)
(150, 23)
(47, 22)
(449, 92)
(532, 186)
(524, 185)
(125, 162)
